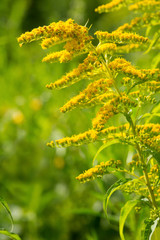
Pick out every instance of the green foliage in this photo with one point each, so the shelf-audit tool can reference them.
(5, 205)
(104, 146)
(111, 190)
(125, 210)
(12, 236)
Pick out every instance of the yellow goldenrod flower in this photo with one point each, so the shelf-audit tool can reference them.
(131, 47)
(89, 95)
(82, 138)
(49, 42)
(135, 186)
(108, 48)
(61, 56)
(149, 136)
(119, 37)
(150, 128)
(90, 66)
(76, 38)
(90, 136)
(107, 111)
(113, 5)
(57, 32)
(139, 22)
(102, 98)
(98, 170)
(120, 64)
(145, 5)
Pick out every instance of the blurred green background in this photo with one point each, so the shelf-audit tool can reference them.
(37, 182)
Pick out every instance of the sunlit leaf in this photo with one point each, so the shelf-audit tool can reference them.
(156, 233)
(5, 205)
(125, 210)
(147, 233)
(149, 116)
(156, 61)
(13, 236)
(105, 146)
(110, 191)
(153, 42)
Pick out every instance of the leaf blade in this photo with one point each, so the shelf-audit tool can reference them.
(125, 210)
(5, 205)
(13, 236)
(105, 145)
(110, 191)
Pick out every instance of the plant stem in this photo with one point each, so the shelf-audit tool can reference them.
(144, 166)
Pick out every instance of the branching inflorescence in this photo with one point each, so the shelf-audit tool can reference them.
(117, 87)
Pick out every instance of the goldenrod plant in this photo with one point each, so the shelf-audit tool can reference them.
(118, 87)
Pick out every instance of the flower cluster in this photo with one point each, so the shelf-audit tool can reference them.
(111, 6)
(121, 65)
(76, 38)
(139, 187)
(136, 186)
(75, 140)
(91, 136)
(145, 5)
(98, 170)
(89, 68)
(108, 48)
(119, 37)
(139, 22)
(87, 96)
(107, 111)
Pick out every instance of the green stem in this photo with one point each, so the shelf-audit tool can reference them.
(144, 166)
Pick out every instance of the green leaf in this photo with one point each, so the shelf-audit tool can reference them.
(155, 61)
(153, 42)
(149, 116)
(125, 210)
(105, 145)
(156, 234)
(148, 30)
(5, 205)
(13, 236)
(156, 155)
(110, 191)
(156, 108)
(147, 232)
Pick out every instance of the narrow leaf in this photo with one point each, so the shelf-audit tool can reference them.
(148, 30)
(154, 230)
(149, 116)
(125, 210)
(110, 191)
(156, 108)
(105, 146)
(156, 234)
(153, 42)
(147, 231)
(155, 61)
(5, 205)
(13, 236)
